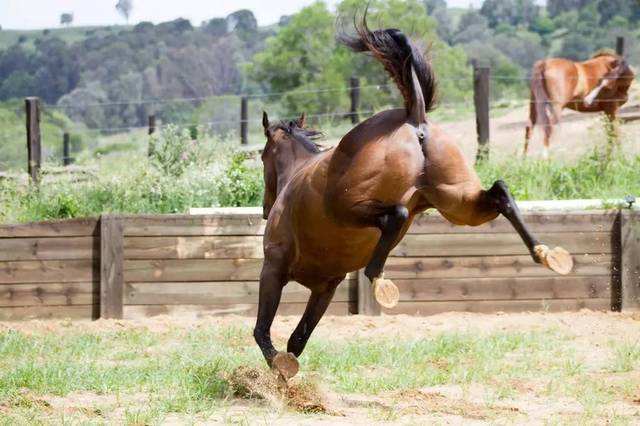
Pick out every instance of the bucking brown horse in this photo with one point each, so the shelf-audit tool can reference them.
(597, 85)
(339, 210)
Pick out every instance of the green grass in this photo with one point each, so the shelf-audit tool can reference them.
(185, 370)
(589, 177)
(627, 357)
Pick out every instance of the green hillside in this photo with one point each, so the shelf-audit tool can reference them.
(69, 35)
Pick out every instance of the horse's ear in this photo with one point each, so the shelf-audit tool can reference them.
(265, 121)
(302, 121)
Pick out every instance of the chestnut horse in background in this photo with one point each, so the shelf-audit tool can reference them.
(336, 211)
(597, 85)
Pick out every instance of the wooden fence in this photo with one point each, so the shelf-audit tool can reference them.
(193, 265)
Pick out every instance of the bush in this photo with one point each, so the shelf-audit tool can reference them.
(172, 150)
(240, 185)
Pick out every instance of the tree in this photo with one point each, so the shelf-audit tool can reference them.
(556, 7)
(304, 60)
(242, 20)
(217, 27)
(66, 19)
(472, 26)
(432, 5)
(124, 7)
(611, 8)
(512, 12)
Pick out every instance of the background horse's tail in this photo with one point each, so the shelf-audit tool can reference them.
(540, 100)
(407, 66)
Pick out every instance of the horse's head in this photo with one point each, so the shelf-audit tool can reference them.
(289, 145)
(619, 74)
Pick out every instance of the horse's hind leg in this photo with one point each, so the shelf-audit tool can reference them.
(272, 279)
(530, 125)
(390, 224)
(499, 199)
(316, 307)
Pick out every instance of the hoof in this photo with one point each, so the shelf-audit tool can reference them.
(556, 259)
(386, 292)
(286, 364)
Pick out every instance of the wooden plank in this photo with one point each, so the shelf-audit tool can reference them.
(58, 228)
(211, 293)
(111, 267)
(48, 271)
(250, 246)
(630, 260)
(492, 306)
(181, 225)
(367, 304)
(512, 288)
(48, 294)
(52, 248)
(249, 309)
(487, 267)
(21, 313)
(182, 270)
(497, 244)
(549, 222)
(192, 270)
(194, 247)
(253, 224)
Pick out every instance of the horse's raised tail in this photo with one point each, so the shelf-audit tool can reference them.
(407, 66)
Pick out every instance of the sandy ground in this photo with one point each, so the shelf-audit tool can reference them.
(590, 334)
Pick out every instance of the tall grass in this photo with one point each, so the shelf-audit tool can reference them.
(591, 176)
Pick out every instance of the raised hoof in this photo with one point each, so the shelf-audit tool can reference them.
(385, 292)
(286, 364)
(556, 259)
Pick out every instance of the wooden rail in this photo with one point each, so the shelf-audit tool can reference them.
(137, 266)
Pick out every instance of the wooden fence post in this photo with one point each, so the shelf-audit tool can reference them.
(151, 131)
(630, 260)
(244, 123)
(481, 102)
(34, 146)
(367, 304)
(620, 45)
(354, 91)
(111, 266)
(66, 157)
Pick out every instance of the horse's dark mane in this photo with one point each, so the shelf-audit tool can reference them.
(302, 135)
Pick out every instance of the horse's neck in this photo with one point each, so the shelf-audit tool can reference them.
(294, 159)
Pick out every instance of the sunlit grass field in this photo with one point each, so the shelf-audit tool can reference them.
(140, 375)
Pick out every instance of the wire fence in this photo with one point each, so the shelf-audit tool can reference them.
(231, 121)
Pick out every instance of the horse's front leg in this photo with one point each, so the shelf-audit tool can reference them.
(499, 198)
(390, 224)
(272, 279)
(316, 307)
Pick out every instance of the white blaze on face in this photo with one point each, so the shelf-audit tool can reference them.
(588, 100)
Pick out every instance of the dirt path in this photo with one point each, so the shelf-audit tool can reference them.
(575, 135)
